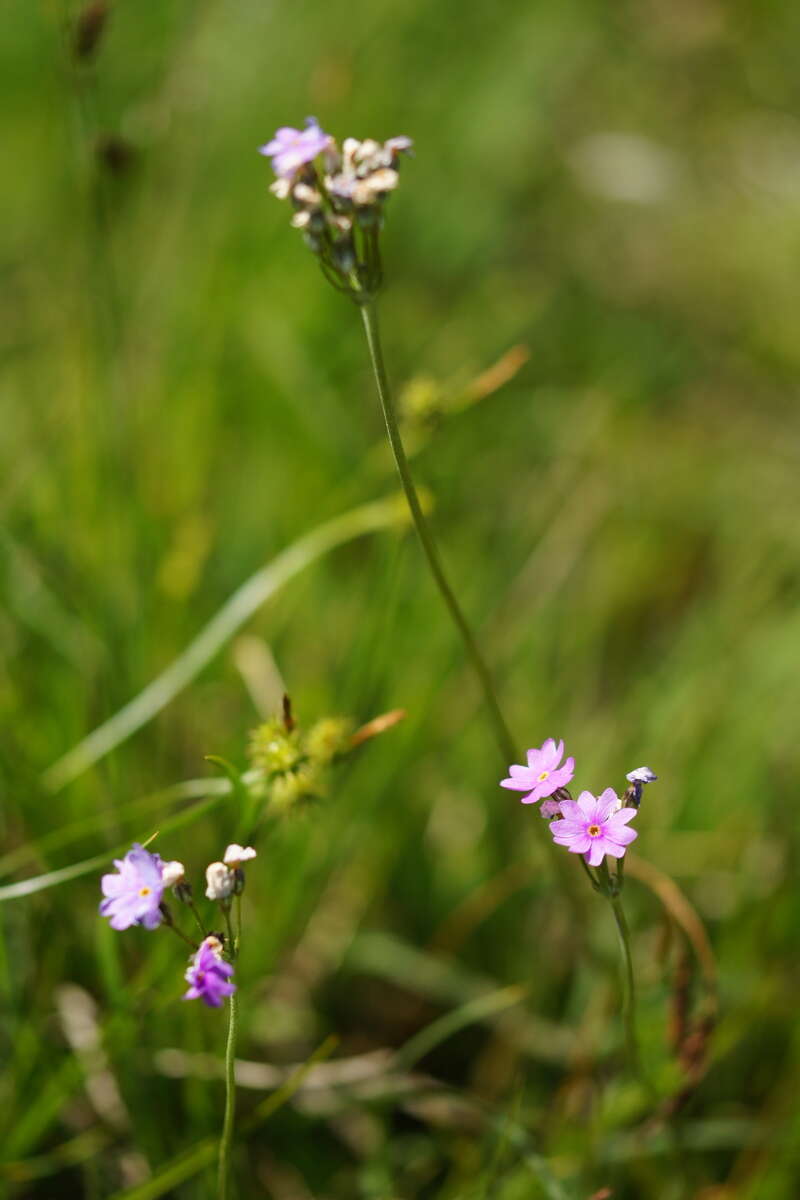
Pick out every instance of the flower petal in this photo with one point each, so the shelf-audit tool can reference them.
(597, 851)
(587, 803)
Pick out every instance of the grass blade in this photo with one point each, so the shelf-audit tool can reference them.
(244, 602)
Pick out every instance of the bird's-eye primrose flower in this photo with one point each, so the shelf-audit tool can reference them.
(594, 826)
(338, 196)
(543, 775)
(133, 895)
(208, 975)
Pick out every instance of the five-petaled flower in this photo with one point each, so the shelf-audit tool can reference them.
(543, 775)
(291, 148)
(209, 975)
(594, 826)
(133, 895)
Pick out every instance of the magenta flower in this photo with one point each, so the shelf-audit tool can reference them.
(594, 826)
(133, 896)
(543, 775)
(209, 975)
(293, 148)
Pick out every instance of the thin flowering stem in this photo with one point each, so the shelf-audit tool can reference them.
(505, 741)
(628, 981)
(588, 872)
(183, 936)
(226, 1140)
(197, 917)
(233, 942)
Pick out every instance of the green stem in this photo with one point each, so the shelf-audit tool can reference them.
(505, 742)
(628, 985)
(226, 1140)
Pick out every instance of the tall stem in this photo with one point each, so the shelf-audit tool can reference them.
(505, 742)
(628, 985)
(230, 1099)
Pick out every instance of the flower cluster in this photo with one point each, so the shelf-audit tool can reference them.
(338, 197)
(594, 826)
(134, 895)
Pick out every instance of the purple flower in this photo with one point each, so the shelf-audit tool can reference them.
(543, 775)
(292, 148)
(594, 826)
(133, 896)
(208, 974)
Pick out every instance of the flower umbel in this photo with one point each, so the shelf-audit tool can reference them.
(133, 895)
(338, 202)
(209, 975)
(543, 775)
(594, 826)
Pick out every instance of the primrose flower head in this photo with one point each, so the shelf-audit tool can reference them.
(235, 855)
(594, 826)
(209, 975)
(339, 201)
(543, 775)
(133, 895)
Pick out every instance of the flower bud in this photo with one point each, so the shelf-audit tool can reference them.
(219, 881)
(172, 873)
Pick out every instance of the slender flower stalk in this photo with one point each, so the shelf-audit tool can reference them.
(226, 1140)
(339, 198)
(505, 742)
(610, 887)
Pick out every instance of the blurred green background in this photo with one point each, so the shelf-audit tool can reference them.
(615, 188)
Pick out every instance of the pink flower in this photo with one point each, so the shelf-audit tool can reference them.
(293, 148)
(594, 826)
(543, 775)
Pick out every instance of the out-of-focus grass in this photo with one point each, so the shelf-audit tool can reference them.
(615, 187)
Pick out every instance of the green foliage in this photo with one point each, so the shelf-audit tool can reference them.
(187, 408)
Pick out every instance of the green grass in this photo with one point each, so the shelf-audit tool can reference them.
(184, 399)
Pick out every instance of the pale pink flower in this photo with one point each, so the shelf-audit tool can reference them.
(594, 826)
(543, 775)
(291, 148)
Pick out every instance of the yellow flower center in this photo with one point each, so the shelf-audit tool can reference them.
(145, 891)
(544, 775)
(594, 831)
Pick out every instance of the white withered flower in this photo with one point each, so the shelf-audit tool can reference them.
(235, 855)
(172, 873)
(219, 881)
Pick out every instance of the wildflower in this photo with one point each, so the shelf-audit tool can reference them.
(235, 855)
(133, 895)
(594, 826)
(291, 149)
(209, 975)
(172, 873)
(338, 202)
(543, 775)
(219, 881)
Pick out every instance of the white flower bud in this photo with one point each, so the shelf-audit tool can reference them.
(641, 775)
(219, 881)
(235, 855)
(172, 873)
